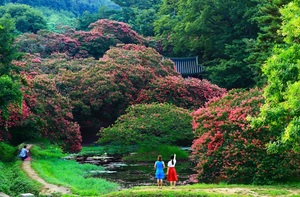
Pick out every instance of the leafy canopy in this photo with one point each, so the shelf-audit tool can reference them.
(150, 125)
(281, 110)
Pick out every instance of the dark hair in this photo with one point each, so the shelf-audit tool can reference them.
(159, 158)
(172, 158)
(25, 146)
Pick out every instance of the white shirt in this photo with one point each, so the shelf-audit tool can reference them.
(170, 163)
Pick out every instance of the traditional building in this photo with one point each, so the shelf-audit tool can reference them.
(187, 66)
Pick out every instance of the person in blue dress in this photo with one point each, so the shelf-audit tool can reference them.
(24, 153)
(159, 166)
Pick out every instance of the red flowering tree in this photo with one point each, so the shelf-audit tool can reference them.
(121, 31)
(16, 119)
(45, 112)
(52, 113)
(45, 43)
(229, 149)
(93, 44)
(188, 93)
(80, 44)
(100, 93)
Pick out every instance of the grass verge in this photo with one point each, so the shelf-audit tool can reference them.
(50, 164)
(13, 181)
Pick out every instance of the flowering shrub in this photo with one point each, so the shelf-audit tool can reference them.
(53, 113)
(103, 91)
(121, 31)
(45, 112)
(151, 125)
(93, 44)
(229, 149)
(17, 117)
(80, 44)
(45, 43)
(188, 93)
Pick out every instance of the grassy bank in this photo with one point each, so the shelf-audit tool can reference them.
(14, 181)
(54, 168)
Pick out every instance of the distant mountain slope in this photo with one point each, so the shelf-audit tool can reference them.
(75, 6)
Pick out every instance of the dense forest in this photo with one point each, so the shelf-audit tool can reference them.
(71, 69)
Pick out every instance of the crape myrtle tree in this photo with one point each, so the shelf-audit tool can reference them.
(100, 93)
(150, 125)
(51, 113)
(228, 149)
(281, 110)
(45, 112)
(190, 93)
(80, 44)
(101, 90)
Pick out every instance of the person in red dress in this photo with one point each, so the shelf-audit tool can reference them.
(171, 171)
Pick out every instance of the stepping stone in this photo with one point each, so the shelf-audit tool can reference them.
(27, 195)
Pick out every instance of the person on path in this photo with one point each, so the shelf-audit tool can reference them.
(159, 166)
(24, 153)
(171, 171)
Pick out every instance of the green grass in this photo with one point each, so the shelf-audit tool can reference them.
(51, 166)
(75, 176)
(206, 190)
(14, 181)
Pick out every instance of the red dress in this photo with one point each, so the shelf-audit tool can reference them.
(172, 175)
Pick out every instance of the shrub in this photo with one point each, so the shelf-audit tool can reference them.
(188, 93)
(229, 149)
(150, 125)
(7, 152)
(121, 31)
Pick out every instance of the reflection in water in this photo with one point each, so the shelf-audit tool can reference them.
(129, 174)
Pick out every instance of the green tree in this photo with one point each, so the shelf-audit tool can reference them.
(214, 30)
(150, 125)
(202, 27)
(233, 71)
(9, 93)
(139, 14)
(269, 21)
(7, 51)
(10, 90)
(27, 19)
(281, 110)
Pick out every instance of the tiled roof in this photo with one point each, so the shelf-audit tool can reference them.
(187, 65)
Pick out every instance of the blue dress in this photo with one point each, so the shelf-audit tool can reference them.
(159, 174)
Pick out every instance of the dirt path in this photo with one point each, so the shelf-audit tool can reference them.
(47, 187)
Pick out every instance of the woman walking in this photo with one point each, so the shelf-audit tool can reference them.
(171, 171)
(159, 166)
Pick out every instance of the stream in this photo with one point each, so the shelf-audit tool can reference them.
(129, 174)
